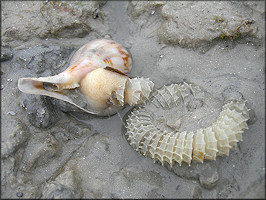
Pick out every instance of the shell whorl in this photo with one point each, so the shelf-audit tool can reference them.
(146, 137)
(108, 90)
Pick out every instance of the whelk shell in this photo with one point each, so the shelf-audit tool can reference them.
(168, 144)
(95, 81)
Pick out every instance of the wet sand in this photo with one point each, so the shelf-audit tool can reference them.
(48, 150)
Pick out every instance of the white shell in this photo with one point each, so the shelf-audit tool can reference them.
(88, 82)
(101, 91)
(96, 54)
(171, 146)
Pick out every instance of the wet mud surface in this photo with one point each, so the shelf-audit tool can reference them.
(51, 150)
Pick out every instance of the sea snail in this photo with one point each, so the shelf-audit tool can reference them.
(97, 76)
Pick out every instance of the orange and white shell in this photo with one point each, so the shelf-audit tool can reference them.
(171, 145)
(96, 75)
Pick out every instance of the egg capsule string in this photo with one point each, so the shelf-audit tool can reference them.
(148, 100)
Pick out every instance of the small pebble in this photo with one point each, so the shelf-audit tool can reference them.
(11, 112)
(19, 194)
(9, 80)
(42, 111)
(23, 59)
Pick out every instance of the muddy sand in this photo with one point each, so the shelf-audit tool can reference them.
(49, 150)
